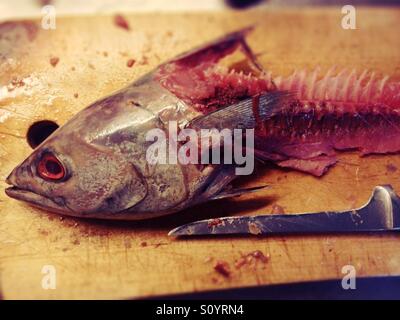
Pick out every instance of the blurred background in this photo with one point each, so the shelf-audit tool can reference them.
(29, 8)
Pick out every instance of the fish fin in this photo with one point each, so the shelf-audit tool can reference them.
(218, 181)
(217, 49)
(237, 192)
(245, 114)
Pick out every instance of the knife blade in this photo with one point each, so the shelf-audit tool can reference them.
(380, 213)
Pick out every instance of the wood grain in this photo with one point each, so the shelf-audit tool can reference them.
(95, 259)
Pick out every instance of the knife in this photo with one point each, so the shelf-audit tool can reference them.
(380, 213)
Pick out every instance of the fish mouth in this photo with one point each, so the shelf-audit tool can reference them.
(34, 199)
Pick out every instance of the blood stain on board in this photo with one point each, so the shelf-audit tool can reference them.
(143, 244)
(251, 259)
(54, 61)
(391, 168)
(31, 28)
(121, 22)
(130, 63)
(222, 267)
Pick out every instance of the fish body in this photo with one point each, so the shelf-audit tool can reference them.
(96, 166)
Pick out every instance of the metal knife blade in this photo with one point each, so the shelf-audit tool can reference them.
(380, 213)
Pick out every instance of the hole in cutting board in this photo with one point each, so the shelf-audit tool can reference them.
(39, 131)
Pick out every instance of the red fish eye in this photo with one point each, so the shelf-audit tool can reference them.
(50, 168)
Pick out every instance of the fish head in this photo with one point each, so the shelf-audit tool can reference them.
(69, 175)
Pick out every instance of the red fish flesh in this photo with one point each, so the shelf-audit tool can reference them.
(329, 112)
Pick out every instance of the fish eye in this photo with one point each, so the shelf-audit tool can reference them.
(50, 168)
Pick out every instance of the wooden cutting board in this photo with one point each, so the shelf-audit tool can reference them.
(96, 259)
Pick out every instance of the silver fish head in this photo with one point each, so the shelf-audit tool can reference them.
(70, 173)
